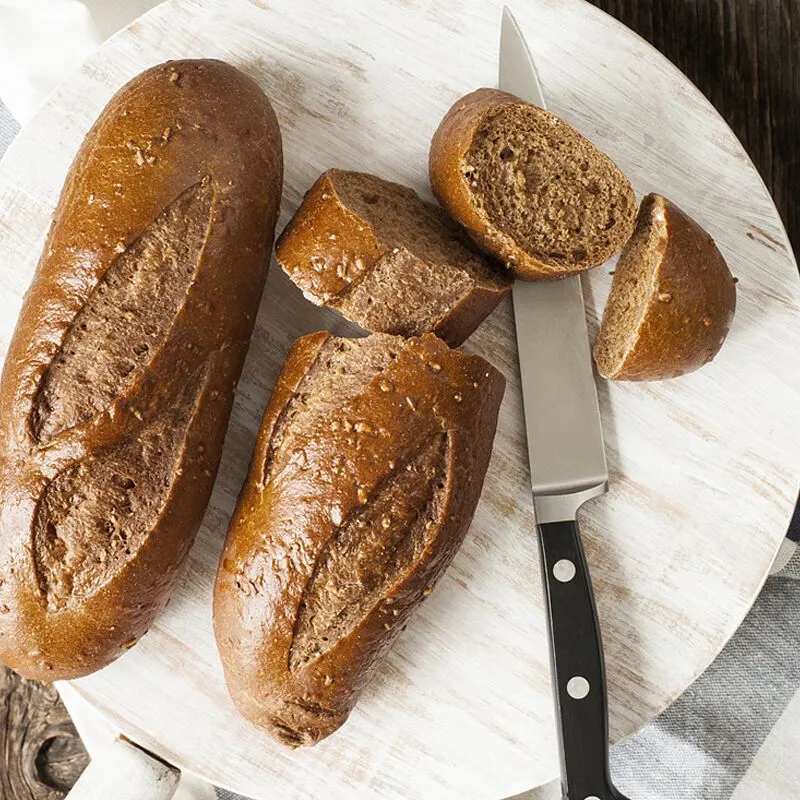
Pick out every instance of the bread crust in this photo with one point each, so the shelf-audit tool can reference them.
(284, 522)
(692, 304)
(179, 125)
(327, 248)
(450, 145)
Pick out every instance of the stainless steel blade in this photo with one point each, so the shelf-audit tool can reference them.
(562, 416)
(517, 68)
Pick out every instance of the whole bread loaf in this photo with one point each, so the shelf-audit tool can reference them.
(528, 187)
(387, 260)
(672, 300)
(119, 379)
(365, 477)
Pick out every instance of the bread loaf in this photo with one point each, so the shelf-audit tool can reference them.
(365, 476)
(672, 300)
(387, 260)
(119, 379)
(529, 188)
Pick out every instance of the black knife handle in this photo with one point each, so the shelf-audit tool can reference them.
(577, 660)
(794, 525)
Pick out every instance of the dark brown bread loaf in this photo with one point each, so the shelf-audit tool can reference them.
(529, 188)
(387, 260)
(672, 299)
(119, 379)
(364, 480)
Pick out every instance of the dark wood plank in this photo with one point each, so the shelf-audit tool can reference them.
(41, 754)
(744, 55)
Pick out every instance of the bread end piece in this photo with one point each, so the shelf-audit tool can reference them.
(529, 188)
(387, 260)
(672, 300)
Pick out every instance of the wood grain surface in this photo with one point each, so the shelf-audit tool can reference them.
(743, 54)
(41, 755)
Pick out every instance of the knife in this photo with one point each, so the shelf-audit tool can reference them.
(568, 467)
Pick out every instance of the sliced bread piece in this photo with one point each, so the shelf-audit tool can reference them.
(672, 299)
(387, 260)
(529, 188)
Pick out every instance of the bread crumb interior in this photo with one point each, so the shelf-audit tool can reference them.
(632, 288)
(401, 219)
(546, 187)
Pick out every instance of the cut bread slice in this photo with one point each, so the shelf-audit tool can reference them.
(387, 260)
(672, 300)
(529, 188)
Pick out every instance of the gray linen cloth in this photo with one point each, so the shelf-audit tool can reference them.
(701, 747)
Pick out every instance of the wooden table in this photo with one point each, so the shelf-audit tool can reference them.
(744, 56)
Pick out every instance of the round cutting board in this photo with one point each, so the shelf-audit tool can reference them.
(703, 469)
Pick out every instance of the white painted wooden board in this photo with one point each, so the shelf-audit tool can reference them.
(704, 469)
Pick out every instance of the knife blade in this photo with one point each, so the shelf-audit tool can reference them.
(562, 416)
(568, 467)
